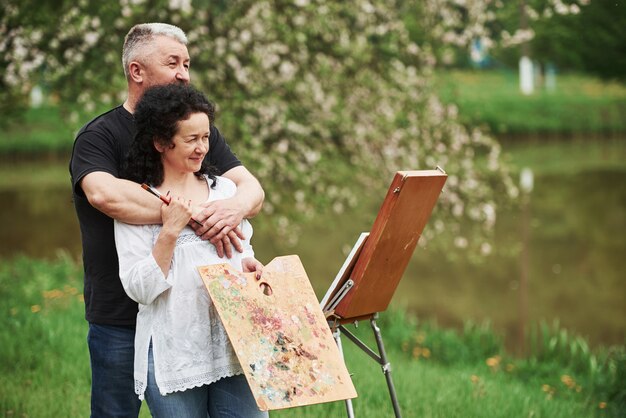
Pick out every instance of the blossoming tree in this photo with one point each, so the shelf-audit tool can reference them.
(322, 100)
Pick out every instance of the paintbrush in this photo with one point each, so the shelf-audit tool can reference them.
(164, 199)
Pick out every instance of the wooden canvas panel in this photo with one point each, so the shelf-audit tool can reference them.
(392, 240)
(282, 340)
(344, 272)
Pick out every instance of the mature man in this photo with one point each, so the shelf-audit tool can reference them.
(153, 54)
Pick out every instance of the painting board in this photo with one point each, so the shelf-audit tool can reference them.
(344, 272)
(279, 334)
(387, 251)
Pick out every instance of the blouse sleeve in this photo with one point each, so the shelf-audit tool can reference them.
(246, 228)
(141, 276)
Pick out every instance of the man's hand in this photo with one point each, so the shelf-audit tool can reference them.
(220, 225)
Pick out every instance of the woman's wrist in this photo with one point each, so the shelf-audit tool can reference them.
(169, 233)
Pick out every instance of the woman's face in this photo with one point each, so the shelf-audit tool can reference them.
(189, 145)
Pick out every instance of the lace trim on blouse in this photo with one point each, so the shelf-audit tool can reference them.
(181, 385)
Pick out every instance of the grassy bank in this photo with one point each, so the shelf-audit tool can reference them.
(44, 369)
(41, 131)
(578, 105)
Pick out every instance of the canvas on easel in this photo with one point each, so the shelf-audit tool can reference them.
(279, 334)
(385, 253)
(342, 283)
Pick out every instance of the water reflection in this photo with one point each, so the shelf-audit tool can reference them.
(576, 271)
(38, 222)
(576, 264)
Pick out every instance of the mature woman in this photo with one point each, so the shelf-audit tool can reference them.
(184, 362)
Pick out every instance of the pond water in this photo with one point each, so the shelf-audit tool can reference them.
(576, 256)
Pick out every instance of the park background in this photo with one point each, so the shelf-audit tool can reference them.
(513, 304)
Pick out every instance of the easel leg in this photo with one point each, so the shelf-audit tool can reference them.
(380, 358)
(386, 366)
(337, 335)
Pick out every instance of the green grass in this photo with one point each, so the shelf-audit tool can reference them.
(42, 130)
(579, 105)
(44, 371)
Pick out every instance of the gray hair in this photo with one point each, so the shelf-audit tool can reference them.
(139, 36)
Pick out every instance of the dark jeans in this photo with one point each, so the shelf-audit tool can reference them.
(112, 353)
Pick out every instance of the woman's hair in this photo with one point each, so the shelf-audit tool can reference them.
(157, 115)
(140, 36)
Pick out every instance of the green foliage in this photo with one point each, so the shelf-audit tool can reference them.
(554, 350)
(579, 35)
(59, 45)
(303, 87)
(591, 41)
(473, 344)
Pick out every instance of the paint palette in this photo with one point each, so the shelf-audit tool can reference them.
(279, 333)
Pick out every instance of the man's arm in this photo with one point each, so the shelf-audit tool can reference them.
(221, 218)
(121, 199)
(250, 194)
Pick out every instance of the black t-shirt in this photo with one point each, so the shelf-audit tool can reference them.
(101, 145)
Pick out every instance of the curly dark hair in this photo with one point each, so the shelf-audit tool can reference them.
(156, 118)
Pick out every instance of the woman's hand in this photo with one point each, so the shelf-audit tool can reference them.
(251, 264)
(176, 215)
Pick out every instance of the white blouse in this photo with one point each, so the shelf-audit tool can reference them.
(190, 345)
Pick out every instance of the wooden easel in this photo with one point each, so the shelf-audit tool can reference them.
(370, 274)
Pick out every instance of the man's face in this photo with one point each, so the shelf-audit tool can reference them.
(167, 61)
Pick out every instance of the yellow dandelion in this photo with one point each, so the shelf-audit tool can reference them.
(602, 405)
(474, 378)
(53, 294)
(493, 361)
(417, 352)
(426, 352)
(35, 308)
(546, 388)
(568, 381)
(420, 338)
(70, 290)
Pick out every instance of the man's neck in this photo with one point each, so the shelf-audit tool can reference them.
(129, 106)
(134, 94)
